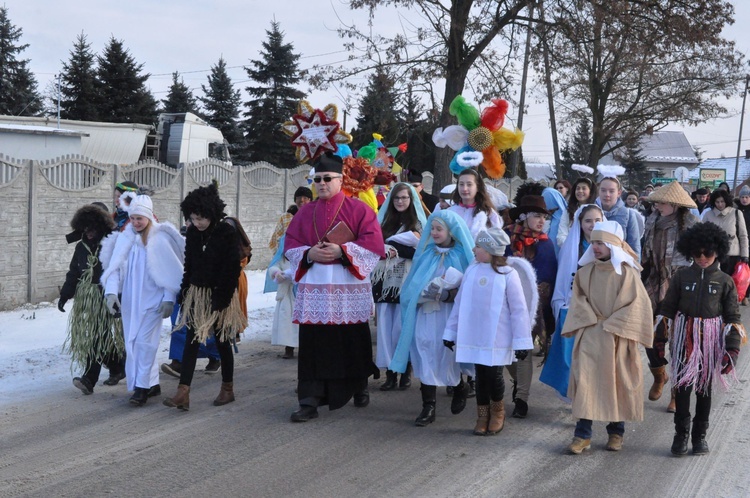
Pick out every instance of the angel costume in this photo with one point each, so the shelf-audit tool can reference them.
(609, 315)
(146, 275)
(284, 332)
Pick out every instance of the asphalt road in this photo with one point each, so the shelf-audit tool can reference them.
(67, 444)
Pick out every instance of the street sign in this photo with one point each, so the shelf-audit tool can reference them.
(662, 181)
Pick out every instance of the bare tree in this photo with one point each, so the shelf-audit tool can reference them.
(629, 66)
(444, 40)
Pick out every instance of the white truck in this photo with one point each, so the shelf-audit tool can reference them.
(178, 138)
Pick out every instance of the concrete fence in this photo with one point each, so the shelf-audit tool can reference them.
(38, 200)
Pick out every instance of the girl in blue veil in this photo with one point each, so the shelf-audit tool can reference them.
(426, 301)
(556, 370)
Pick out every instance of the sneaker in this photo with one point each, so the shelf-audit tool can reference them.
(172, 369)
(578, 445)
(213, 366)
(114, 379)
(614, 443)
(84, 385)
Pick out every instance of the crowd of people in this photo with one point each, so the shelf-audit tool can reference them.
(461, 286)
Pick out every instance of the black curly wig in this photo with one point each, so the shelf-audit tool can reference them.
(528, 188)
(704, 236)
(205, 202)
(92, 217)
(724, 194)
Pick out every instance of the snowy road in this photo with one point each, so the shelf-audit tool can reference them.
(55, 441)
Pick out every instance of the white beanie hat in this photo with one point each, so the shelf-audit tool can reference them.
(142, 206)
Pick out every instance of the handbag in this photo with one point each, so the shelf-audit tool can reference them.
(741, 277)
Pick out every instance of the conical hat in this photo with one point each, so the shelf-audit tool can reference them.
(672, 194)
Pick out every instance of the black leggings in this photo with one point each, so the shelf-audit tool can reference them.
(682, 404)
(490, 384)
(190, 355)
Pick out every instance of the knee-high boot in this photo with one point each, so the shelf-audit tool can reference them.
(429, 400)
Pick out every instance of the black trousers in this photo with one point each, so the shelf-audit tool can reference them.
(114, 363)
(490, 384)
(682, 404)
(190, 355)
(334, 363)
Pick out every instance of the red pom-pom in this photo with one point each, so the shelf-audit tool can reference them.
(493, 116)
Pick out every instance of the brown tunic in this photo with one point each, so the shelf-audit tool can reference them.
(609, 315)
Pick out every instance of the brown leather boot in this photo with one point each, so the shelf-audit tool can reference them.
(483, 418)
(181, 400)
(660, 378)
(672, 407)
(497, 417)
(226, 395)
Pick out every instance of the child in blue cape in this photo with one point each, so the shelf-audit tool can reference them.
(426, 302)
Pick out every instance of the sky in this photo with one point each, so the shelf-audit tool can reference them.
(189, 36)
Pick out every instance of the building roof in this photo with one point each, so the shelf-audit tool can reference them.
(39, 130)
(540, 171)
(663, 147)
(727, 164)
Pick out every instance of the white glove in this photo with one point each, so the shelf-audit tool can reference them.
(113, 304)
(166, 308)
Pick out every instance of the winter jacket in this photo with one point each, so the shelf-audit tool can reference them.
(212, 260)
(730, 220)
(703, 293)
(745, 210)
(78, 264)
(628, 220)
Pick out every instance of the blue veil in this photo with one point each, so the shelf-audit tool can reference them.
(416, 201)
(554, 200)
(425, 263)
(271, 285)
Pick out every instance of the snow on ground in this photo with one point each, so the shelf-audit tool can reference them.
(31, 339)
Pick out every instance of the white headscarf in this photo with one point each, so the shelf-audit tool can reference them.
(610, 232)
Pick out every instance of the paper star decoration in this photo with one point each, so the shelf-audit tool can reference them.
(315, 131)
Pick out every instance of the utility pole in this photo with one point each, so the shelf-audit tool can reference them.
(58, 101)
(739, 139)
(550, 101)
(515, 155)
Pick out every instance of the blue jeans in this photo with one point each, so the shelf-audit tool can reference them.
(584, 430)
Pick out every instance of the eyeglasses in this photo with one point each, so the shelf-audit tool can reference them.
(327, 179)
(401, 198)
(705, 253)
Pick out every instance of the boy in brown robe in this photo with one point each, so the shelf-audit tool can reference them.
(609, 315)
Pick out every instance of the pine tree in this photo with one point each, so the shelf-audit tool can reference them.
(576, 150)
(18, 86)
(80, 97)
(222, 105)
(635, 167)
(418, 129)
(273, 101)
(378, 109)
(180, 98)
(122, 87)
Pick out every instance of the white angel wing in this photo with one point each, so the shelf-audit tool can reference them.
(528, 282)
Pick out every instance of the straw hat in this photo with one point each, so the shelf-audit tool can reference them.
(672, 194)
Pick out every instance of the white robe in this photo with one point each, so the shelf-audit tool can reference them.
(478, 222)
(284, 332)
(389, 330)
(134, 269)
(433, 363)
(489, 320)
